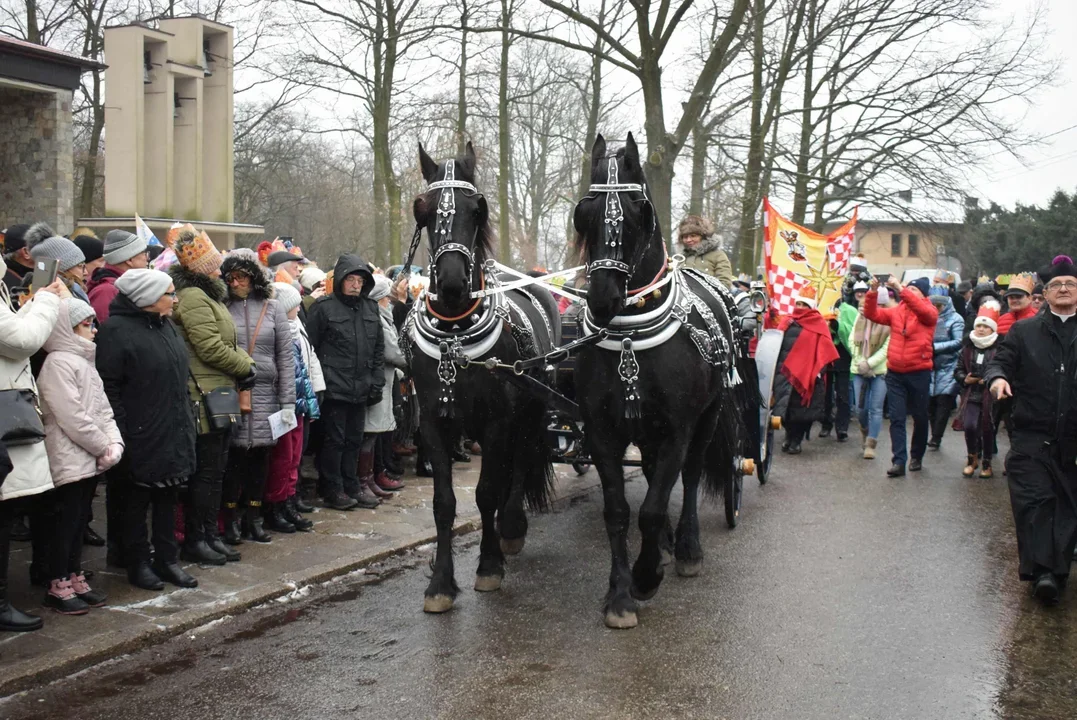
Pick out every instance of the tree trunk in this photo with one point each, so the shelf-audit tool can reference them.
(461, 103)
(744, 248)
(503, 168)
(700, 139)
(89, 168)
(800, 186)
(33, 30)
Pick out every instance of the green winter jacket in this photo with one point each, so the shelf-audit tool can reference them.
(210, 333)
(846, 318)
(709, 258)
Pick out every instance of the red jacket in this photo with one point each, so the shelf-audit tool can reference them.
(912, 330)
(102, 290)
(1006, 321)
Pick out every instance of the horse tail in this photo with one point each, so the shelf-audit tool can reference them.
(534, 441)
(726, 443)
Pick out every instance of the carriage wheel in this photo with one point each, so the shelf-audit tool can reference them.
(763, 468)
(734, 487)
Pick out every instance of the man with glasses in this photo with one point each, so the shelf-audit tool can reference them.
(123, 251)
(1036, 365)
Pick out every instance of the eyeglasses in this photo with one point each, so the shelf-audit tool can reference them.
(1068, 284)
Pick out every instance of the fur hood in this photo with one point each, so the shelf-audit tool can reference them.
(708, 244)
(260, 288)
(183, 278)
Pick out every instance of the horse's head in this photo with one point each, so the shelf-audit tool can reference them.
(615, 225)
(455, 215)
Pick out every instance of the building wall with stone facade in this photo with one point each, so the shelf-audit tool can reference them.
(37, 174)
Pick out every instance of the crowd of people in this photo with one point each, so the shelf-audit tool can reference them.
(192, 384)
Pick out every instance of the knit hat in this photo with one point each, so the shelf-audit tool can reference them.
(922, 284)
(78, 310)
(382, 286)
(58, 248)
(287, 296)
(310, 277)
(695, 225)
(859, 286)
(196, 251)
(1022, 284)
(858, 262)
(1061, 266)
(806, 295)
(14, 237)
(143, 287)
(121, 246)
(92, 248)
(988, 314)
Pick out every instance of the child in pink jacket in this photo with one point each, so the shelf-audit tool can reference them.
(82, 441)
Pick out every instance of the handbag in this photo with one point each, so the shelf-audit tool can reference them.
(245, 406)
(221, 404)
(20, 418)
(958, 424)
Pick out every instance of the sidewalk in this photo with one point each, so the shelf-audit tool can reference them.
(133, 618)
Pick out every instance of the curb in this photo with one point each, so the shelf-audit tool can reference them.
(46, 669)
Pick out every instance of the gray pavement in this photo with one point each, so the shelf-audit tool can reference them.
(841, 594)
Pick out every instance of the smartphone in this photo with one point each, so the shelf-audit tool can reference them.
(45, 271)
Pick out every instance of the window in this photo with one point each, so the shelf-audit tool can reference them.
(914, 245)
(895, 245)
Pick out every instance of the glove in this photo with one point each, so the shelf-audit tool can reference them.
(112, 456)
(374, 397)
(246, 383)
(287, 414)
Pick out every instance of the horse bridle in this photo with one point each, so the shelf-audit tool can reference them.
(614, 223)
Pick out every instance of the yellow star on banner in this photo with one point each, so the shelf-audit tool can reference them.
(825, 279)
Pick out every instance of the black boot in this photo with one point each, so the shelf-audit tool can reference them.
(300, 505)
(276, 520)
(252, 524)
(20, 532)
(173, 573)
(292, 514)
(141, 575)
(200, 552)
(11, 619)
(90, 537)
(896, 470)
(232, 533)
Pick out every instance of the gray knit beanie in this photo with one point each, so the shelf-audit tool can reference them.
(121, 246)
(58, 248)
(287, 296)
(79, 310)
(144, 287)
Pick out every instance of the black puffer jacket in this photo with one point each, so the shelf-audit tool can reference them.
(142, 360)
(346, 333)
(788, 405)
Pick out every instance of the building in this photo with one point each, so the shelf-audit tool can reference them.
(169, 128)
(37, 179)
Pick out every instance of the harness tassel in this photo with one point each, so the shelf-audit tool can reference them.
(628, 369)
(447, 375)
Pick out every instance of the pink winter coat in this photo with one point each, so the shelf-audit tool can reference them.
(79, 424)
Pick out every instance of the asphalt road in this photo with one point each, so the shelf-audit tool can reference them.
(842, 594)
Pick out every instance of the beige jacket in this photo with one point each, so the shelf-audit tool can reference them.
(21, 335)
(79, 425)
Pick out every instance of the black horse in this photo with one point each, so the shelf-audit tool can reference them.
(463, 320)
(664, 379)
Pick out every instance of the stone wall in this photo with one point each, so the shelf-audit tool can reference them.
(36, 158)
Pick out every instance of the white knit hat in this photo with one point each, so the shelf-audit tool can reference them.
(78, 310)
(144, 287)
(286, 296)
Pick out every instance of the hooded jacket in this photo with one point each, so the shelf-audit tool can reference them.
(21, 335)
(912, 330)
(274, 388)
(143, 363)
(79, 425)
(949, 337)
(709, 257)
(102, 290)
(380, 418)
(210, 333)
(346, 333)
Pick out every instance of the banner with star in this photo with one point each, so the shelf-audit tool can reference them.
(797, 256)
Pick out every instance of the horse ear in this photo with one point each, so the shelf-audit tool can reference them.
(469, 158)
(482, 212)
(631, 154)
(598, 151)
(427, 164)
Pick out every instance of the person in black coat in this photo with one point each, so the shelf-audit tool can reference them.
(1036, 365)
(143, 362)
(345, 330)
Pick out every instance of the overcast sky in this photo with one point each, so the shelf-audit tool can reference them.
(1054, 165)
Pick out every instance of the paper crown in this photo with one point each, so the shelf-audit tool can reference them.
(1024, 281)
(175, 230)
(806, 295)
(196, 251)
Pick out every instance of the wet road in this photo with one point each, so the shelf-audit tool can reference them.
(841, 594)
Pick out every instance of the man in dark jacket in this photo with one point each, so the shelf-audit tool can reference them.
(1036, 365)
(345, 331)
(143, 363)
(17, 256)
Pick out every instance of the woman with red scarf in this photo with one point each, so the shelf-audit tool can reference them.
(806, 351)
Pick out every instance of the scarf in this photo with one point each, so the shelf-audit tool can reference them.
(868, 335)
(982, 343)
(812, 351)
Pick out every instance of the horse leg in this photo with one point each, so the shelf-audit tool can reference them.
(688, 551)
(530, 461)
(666, 540)
(439, 436)
(619, 607)
(493, 477)
(647, 572)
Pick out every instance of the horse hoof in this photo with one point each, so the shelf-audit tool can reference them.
(437, 603)
(641, 595)
(689, 569)
(487, 583)
(624, 621)
(667, 557)
(513, 547)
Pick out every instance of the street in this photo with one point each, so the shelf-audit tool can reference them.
(840, 594)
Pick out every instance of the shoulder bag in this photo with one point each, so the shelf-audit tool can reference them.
(245, 395)
(221, 404)
(20, 417)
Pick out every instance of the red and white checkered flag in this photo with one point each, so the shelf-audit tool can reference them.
(784, 285)
(840, 249)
